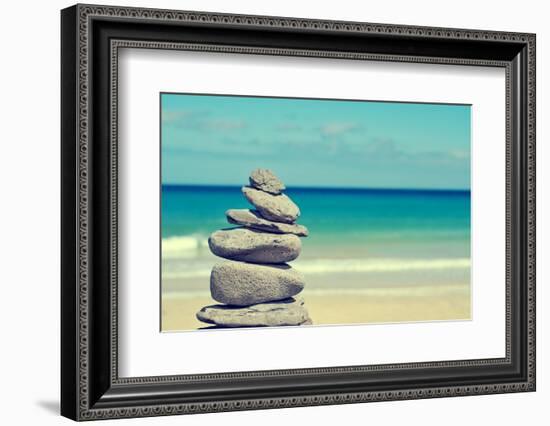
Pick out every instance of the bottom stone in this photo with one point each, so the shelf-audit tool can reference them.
(281, 313)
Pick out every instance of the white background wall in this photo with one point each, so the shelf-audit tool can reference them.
(29, 212)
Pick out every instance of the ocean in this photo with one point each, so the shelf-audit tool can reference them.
(382, 237)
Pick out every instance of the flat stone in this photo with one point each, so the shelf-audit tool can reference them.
(254, 246)
(265, 180)
(245, 284)
(283, 313)
(278, 208)
(253, 219)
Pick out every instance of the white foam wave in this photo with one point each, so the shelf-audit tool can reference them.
(323, 266)
(326, 266)
(183, 246)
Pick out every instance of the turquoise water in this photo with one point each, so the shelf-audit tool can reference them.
(343, 223)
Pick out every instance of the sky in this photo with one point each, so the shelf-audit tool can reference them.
(219, 140)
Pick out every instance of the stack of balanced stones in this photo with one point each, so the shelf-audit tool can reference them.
(256, 286)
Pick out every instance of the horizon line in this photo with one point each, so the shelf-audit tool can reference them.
(330, 188)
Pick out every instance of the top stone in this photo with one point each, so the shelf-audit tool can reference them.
(265, 180)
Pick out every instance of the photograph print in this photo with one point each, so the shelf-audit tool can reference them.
(298, 212)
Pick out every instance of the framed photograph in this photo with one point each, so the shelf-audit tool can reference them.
(263, 212)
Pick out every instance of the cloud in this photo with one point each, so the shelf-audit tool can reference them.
(226, 147)
(224, 124)
(388, 151)
(383, 147)
(337, 128)
(459, 155)
(175, 116)
(195, 120)
(288, 127)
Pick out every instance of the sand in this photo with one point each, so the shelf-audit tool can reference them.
(342, 306)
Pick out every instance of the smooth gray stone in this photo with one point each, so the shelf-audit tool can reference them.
(283, 313)
(245, 284)
(265, 180)
(253, 219)
(278, 208)
(249, 245)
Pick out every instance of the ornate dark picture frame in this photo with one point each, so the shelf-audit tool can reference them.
(90, 385)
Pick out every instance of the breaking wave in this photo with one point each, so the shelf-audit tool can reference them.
(183, 246)
(327, 266)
